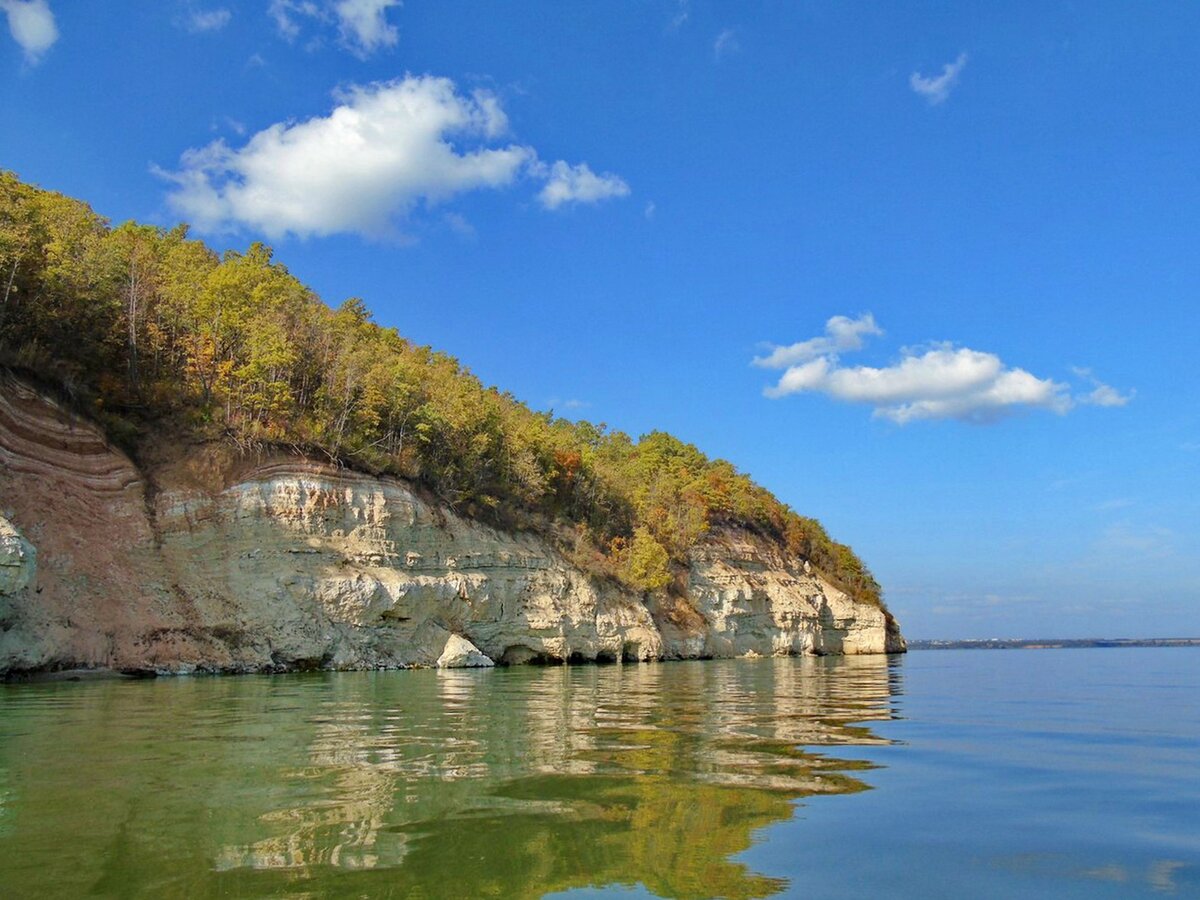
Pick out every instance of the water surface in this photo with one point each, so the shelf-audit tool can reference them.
(988, 773)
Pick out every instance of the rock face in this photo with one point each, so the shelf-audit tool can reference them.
(203, 564)
(462, 654)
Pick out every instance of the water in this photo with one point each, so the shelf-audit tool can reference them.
(943, 773)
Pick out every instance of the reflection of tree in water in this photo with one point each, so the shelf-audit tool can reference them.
(503, 783)
(539, 780)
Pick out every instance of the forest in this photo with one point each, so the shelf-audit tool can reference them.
(152, 334)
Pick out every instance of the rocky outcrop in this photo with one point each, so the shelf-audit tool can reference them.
(18, 560)
(462, 654)
(203, 563)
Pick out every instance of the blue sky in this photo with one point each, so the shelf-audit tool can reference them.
(959, 239)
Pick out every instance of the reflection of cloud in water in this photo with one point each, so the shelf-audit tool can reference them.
(1159, 875)
(1162, 874)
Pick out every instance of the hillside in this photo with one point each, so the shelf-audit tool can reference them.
(161, 342)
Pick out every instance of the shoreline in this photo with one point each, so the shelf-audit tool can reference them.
(1050, 643)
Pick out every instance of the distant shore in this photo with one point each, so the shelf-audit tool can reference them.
(1051, 644)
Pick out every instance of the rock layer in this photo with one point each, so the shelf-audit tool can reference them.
(288, 563)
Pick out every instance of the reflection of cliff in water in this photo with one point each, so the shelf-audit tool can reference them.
(502, 783)
(529, 781)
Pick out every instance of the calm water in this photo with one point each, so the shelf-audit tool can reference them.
(944, 773)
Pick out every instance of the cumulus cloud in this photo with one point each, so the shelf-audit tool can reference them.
(199, 21)
(31, 24)
(383, 149)
(578, 184)
(362, 25)
(941, 381)
(841, 333)
(936, 88)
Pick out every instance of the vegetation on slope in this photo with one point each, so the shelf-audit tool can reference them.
(148, 331)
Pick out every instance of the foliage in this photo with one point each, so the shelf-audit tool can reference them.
(148, 330)
(642, 561)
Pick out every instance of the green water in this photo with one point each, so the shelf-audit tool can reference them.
(943, 773)
(505, 783)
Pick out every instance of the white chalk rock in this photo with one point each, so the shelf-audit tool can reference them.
(462, 654)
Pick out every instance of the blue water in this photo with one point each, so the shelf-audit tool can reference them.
(1059, 773)
(1018, 773)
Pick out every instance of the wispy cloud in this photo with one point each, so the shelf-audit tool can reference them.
(383, 149)
(458, 223)
(362, 25)
(1101, 394)
(939, 381)
(726, 44)
(200, 21)
(936, 88)
(987, 607)
(31, 24)
(287, 15)
(571, 405)
(683, 12)
(1124, 541)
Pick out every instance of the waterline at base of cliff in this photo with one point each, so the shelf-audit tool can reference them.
(277, 562)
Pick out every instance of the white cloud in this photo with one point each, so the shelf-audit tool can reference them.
(726, 44)
(939, 382)
(578, 184)
(1105, 395)
(362, 25)
(287, 14)
(936, 88)
(382, 150)
(201, 20)
(1101, 394)
(841, 333)
(649, 210)
(943, 383)
(32, 25)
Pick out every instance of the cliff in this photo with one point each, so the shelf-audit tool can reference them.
(205, 561)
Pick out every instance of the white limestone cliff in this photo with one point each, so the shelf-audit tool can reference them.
(285, 563)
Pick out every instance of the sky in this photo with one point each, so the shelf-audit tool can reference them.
(927, 271)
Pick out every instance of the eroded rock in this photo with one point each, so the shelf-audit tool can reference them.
(206, 563)
(460, 653)
(18, 559)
